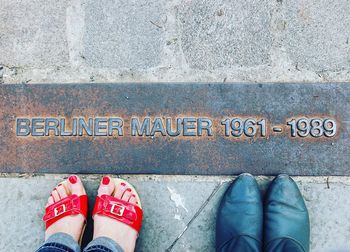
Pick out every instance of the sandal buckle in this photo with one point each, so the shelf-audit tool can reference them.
(60, 210)
(117, 209)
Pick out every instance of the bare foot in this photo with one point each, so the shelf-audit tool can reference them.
(72, 225)
(104, 226)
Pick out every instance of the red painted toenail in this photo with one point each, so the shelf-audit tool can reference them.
(59, 184)
(129, 190)
(133, 195)
(73, 179)
(122, 184)
(105, 180)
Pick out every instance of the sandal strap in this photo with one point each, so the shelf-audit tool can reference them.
(70, 205)
(119, 210)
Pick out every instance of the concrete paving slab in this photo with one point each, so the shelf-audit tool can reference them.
(137, 41)
(170, 203)
(31, 35)
(123, 34)
(225, 33)
(317, 34)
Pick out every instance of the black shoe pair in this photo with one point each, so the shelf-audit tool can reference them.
(246, 223)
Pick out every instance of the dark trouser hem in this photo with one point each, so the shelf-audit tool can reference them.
(103, 244)
(62, 242)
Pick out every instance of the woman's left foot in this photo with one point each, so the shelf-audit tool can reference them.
(72, 224)
(105, 226)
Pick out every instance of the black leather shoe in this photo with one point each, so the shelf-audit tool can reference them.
(286, 219)
(239, 220)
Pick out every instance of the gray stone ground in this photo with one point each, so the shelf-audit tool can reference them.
(179, 40)
(173, 41)
(170, 203)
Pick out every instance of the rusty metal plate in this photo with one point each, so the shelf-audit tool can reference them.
(299, 129)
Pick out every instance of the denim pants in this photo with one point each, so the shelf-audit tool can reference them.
(61, 242)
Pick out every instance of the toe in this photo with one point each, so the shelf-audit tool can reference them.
(50, 200)
(55, 195)
(106, 186)
(61, 191)
(75, 185)
(120, 190)
(133, 199)
(127, 194)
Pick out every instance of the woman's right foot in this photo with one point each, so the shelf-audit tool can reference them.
(105, 226)
(72, 224)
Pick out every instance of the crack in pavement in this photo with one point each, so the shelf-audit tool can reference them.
(215, 190)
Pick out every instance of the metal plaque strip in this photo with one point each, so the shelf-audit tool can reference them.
(167, 128)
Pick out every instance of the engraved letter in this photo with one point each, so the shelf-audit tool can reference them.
(158, 127)
(200, 127)
(135, 127)
(189, 125)
(37, 124)
(22, 127)
(118, 126)
(63, 131)
(82, 125)
(100, 124)
(51, 124)
(178, 127)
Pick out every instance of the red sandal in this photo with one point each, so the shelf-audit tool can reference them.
(120, 210)
(70, 205)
